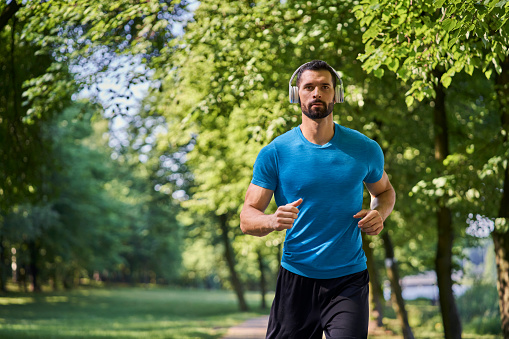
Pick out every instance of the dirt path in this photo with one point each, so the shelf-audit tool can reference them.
(255, 329)
(252, 329)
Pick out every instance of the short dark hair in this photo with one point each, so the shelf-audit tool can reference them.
(317, 65)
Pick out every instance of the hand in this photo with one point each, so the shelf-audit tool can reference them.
(285, 216)
(371, 222)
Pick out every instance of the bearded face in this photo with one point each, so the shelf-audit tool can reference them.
(317, 109)
(316, 94)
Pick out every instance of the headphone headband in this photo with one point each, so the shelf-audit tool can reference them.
(294, 90)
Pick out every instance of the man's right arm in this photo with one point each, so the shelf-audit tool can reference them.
(255, 222)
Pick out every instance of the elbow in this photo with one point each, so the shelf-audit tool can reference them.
(243, 227)
(390, 194)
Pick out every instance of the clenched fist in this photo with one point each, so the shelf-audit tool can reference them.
(285, 215)
(371, 222)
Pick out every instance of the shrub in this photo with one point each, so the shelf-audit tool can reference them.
(478, 309)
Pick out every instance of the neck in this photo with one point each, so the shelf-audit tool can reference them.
(318, 131)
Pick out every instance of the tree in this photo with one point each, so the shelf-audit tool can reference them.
(40, 42)
(428, 44)
(22, 152)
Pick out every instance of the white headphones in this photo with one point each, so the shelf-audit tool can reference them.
(339, 95)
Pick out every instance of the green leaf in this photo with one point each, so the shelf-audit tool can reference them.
(469, 69)
(379, 72)
(369, 47)
(498, 68)
(502, 3)
(488, 72)
(409, 100)
(393, 65)
(449, 24)
(370, 33)
(439, 3)
(403, 73)
(446, 80)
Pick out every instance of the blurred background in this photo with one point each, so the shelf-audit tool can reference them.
(129, 128)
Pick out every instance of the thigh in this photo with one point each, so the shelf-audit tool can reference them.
(346, 313)
(295, 311)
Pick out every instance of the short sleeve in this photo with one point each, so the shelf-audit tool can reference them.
(265, 168)
(375, 161)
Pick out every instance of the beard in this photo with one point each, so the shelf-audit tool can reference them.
(317, 112)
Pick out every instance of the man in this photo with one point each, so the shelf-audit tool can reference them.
(316, 173)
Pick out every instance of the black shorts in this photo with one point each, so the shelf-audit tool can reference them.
(306, 308)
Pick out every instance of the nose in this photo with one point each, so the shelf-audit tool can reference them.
(317, 93)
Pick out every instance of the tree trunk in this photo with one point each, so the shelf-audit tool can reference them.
(501, 236)
(397, 297)
(501, 242)
(443, 260)
(22, 278)
(263, 280)
(34, 269)
(3, 266)
(230, 260)
(398, 304)
(376, 294)
(443, 264)
(9, 11)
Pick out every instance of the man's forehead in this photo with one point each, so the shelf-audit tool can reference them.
(321, 75)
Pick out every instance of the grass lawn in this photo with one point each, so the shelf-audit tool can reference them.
(158, 312)
(122, 313)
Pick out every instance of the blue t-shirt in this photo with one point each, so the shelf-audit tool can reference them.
(325, 241)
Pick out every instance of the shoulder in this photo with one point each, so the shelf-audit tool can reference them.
(282, 141)
(356, 137)
(352, 134)
(286, 137)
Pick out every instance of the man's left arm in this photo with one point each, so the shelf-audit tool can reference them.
(383, 198)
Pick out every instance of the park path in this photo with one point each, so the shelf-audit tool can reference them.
(255, 329)
(251, 329)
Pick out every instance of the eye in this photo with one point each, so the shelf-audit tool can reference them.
(326, 87)
(309, 88)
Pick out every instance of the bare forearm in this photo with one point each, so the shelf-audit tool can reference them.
(384, 203)
(255, 222)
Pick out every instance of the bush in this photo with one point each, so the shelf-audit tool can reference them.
(479, 311)
(481, 325)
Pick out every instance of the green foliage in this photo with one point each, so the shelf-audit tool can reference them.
(413, 39)
(60, 205)
(25, 70)
(479, 309)
(99, 217)
(39, 42)
(473, 171)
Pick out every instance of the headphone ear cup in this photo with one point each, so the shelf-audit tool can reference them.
(294, 95)
(339, 96)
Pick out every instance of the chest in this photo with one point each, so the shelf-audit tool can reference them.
(321, 170)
